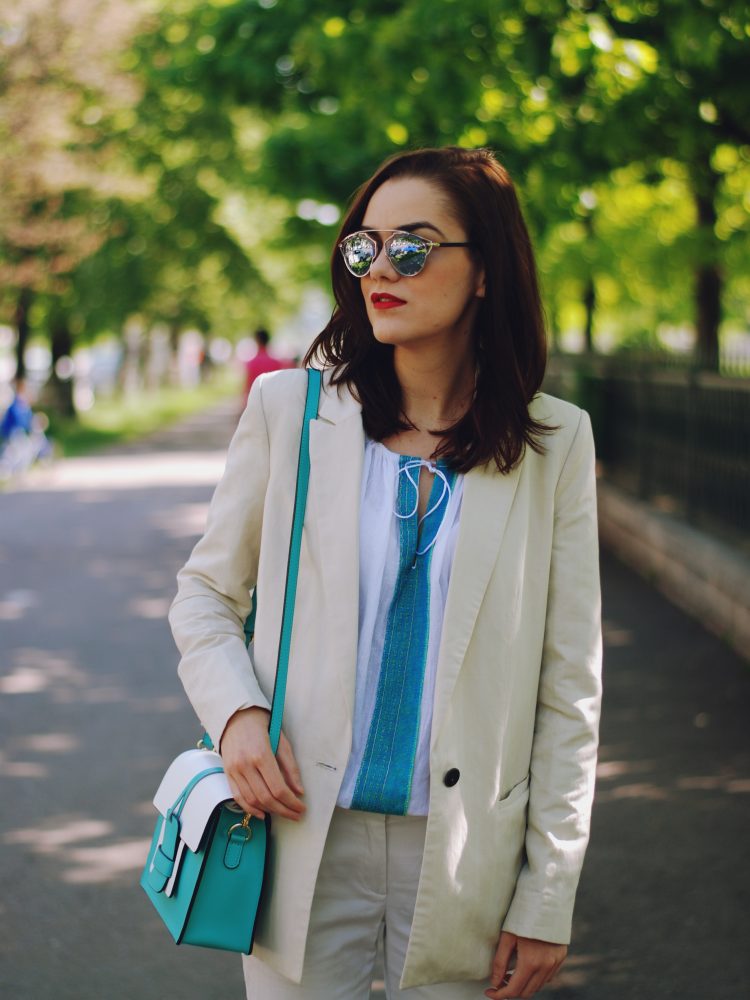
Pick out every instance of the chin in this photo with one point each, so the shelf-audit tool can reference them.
(393, 333)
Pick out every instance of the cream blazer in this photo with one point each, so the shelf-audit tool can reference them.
(518, 680)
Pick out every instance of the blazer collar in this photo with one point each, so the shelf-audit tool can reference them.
(337, 403)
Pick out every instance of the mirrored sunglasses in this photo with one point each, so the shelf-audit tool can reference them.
(406, 252)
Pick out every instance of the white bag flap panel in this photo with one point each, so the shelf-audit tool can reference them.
(203, 799)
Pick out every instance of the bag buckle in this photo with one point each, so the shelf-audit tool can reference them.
(237, 836)
(244, 825)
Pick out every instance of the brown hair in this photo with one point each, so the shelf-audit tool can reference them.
(509, 334)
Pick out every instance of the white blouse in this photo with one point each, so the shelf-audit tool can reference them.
(389, 482)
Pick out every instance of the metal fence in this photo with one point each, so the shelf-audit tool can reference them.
(679, 439)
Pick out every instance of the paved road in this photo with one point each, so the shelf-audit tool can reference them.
(91, 710)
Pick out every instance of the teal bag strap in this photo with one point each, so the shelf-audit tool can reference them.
(292, 571)
(314, 380)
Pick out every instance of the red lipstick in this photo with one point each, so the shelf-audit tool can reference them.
(382, 300)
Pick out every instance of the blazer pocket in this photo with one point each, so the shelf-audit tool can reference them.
(518, 792)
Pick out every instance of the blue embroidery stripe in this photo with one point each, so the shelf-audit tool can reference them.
(385, 775)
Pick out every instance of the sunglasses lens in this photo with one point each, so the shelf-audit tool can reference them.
(407, 254)
(359, 253)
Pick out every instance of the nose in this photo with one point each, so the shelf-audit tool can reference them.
(381, 267)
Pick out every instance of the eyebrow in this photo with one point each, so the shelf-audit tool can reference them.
(410, 226)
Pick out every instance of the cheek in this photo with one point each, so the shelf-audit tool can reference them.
(453, 292)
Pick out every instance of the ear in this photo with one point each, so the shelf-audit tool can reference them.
(481, 284)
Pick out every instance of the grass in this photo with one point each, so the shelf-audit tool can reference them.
(127, 418)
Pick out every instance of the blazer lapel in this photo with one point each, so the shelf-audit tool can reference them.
(336, 458)
(486, 504)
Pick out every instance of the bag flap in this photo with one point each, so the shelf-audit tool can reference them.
(203, 799)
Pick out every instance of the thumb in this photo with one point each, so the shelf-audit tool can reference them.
(505, 949)
(288, 765)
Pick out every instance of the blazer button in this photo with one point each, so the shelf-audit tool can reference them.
(450, 778)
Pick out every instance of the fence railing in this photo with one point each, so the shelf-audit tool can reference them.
(680, 439)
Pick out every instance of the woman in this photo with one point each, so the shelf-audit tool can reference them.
(436, 775)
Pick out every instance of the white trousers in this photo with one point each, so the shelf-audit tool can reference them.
(367, 884)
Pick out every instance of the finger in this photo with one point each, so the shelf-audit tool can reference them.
(535, 983)
(264, 797)
(515, 987)
(494, 991)
(288, 766)
(555, 970)
(271, 774)
(242, 800)
(266, 786)
(502, 957)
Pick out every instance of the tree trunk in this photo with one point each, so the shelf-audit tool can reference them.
(61, 389)
(21, 321)
(589, 303)
(708, 279)
(589, 295)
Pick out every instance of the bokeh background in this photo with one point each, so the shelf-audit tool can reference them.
(171, 178)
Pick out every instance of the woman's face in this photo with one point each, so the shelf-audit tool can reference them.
(438, 304)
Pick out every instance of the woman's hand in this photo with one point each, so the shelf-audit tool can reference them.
(260, 782)
(536, 963)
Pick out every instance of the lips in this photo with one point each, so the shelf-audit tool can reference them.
(382, 300)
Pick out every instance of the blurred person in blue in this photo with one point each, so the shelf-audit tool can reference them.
(434, 778)
(19, 416)
(22, 437)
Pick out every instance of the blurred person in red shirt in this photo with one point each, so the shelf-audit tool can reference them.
(263, 361)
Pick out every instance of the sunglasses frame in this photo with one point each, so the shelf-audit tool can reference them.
(429, 244)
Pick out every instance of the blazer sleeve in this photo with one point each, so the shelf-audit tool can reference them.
(563, 759)
(213, 588)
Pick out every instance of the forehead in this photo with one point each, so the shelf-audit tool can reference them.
(402, 199)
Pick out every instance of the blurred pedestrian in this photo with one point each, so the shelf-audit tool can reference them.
(261, 363)
(18, 418)
(22, 434)
(435, 776)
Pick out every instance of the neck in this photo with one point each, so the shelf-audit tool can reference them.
(436, 385)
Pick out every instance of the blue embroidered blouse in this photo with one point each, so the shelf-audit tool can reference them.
(405, 566)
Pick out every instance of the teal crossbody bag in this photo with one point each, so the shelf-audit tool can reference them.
(205, 868)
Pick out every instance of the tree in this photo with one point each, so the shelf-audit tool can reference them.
(569, 91)
(57, 81)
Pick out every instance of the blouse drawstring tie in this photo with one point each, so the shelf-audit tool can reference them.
(406, 468)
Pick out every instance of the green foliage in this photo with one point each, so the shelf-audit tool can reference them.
(208, 158)
(570, 94)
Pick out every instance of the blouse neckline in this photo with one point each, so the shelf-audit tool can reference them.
(397, 455)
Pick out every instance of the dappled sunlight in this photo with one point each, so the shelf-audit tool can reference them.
(106, 864)
(38, 743)
(165, 704)
(52, 837)
(615, 635)
(638, 790)
(35, 670)
(576, 971)
(615, 781)
(185, 521)
(79, 863)
(155, 608)
(715, 783)
(21, 768)
(50, 743)
(617, 768)
(15, 603)
(144, 809)
(124, 472)
(105, 694)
